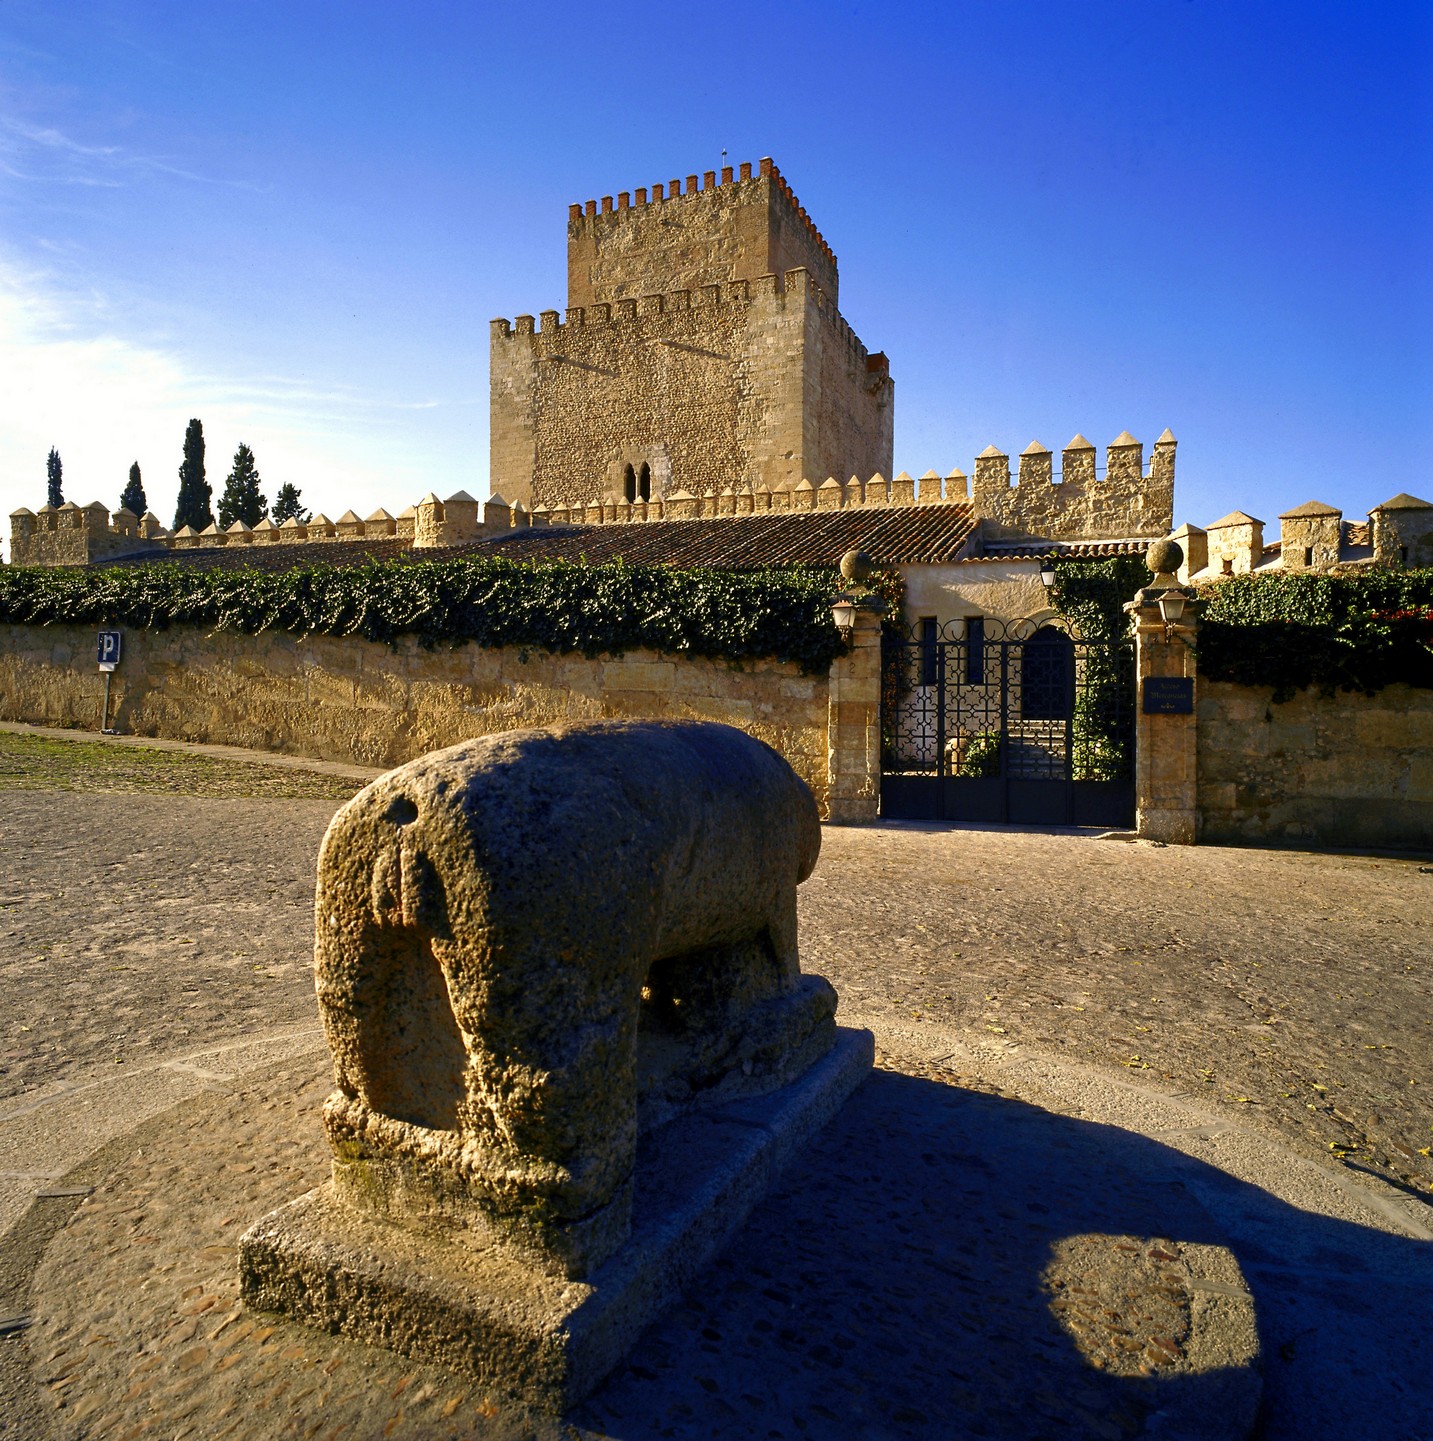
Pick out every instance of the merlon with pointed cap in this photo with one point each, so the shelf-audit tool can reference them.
(1404, 501)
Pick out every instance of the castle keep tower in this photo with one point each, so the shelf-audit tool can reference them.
(701, 349)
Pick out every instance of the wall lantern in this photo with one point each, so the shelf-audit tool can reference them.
(844, 611)
(1171, 606)
(1047, 572)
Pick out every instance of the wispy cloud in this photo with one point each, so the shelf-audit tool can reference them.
(42, 153)
(103, 398)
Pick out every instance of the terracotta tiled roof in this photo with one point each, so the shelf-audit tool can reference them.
(1357, 532)
(274, 557)
(894, 535)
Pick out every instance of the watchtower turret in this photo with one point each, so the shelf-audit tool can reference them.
(713, 231)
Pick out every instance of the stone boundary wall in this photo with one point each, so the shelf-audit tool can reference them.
(349, 699)
(1343, 770)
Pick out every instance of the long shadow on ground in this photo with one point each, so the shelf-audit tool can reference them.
(944, 1263)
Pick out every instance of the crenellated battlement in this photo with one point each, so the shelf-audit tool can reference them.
(1077, 503)
(717, 227)
(797, 283)
(81, 535)
(1125, 502)
(641, 307)
(72, 534)
(664, 193)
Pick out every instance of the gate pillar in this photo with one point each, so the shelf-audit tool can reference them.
(1165, 623)
(853, 727)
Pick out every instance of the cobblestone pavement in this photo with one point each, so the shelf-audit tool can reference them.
(134, 926)
(1288, 992)
(985, 1300)
(1292, 988)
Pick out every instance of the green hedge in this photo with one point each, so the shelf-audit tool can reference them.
(555, 606)
(1357, 632)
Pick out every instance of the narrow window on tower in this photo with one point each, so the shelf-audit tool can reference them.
(629, 484)
(644, 482)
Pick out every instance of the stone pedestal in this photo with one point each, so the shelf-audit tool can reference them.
(547, 1340)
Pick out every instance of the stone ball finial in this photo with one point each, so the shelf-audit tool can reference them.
(856, 567)
(1164, 557)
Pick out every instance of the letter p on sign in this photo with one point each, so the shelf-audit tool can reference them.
(110, 644)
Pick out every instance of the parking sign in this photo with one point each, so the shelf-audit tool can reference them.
(110, 645)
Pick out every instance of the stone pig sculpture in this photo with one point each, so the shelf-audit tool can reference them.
(533, 946)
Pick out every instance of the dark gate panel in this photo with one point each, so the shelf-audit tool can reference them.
(1019, 723)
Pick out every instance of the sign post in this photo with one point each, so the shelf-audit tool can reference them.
(111, 645)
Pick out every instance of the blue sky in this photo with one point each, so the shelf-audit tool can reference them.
(295, 221)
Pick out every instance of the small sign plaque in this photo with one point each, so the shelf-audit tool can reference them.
(110, 644)
(1168, 695)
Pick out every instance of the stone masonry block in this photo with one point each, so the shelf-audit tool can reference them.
(638, 675)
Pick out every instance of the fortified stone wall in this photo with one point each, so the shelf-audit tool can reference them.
(849, 414)
(74, 535)
(713, 232)
(356, 700)
(1346, 769)
(1123, 504)
(754, 384)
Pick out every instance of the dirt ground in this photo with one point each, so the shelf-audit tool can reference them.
(153, 900)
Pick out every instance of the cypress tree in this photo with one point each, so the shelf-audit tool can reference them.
(241, 499)
(132, 497)
(194, 492)
(55, 472)
(287, 505)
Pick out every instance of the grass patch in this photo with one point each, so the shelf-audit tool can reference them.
(45, 763)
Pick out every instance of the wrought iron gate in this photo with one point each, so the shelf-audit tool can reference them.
(1018, 722)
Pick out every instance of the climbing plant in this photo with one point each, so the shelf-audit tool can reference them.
(556, 606)
(1353, 631)
(1091, 595)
